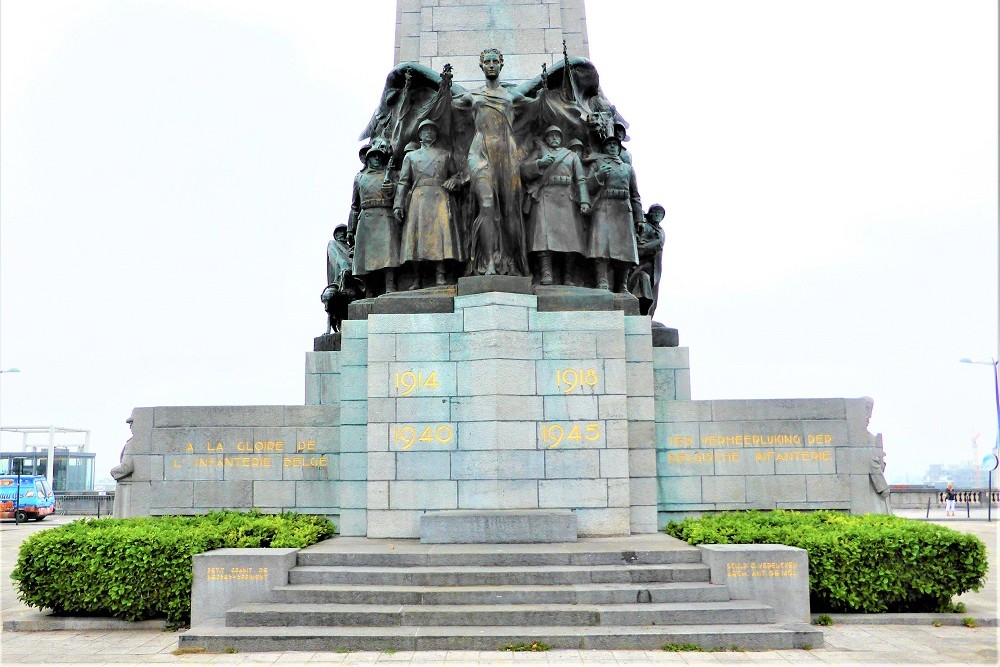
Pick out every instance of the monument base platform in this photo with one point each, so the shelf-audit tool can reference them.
(637, 592)
(498, 527)
(551, 298)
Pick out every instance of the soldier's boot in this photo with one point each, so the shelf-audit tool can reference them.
(621, 278)
(601, 267)
(439, 275)
(390, 281)
(545, 258)
(569, 270)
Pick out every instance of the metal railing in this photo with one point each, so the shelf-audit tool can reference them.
(85, 503)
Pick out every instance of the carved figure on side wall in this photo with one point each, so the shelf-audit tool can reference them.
(431, 231)
(557, 199)
(342, 287)
(126, 461)
(372, 228)
(616, 210)
(644, 282)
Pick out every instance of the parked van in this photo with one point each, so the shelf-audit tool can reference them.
(36, 502)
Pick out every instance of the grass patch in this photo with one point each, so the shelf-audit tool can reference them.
(969, 622)
(823, 619)
(681, 647)
(525, 646)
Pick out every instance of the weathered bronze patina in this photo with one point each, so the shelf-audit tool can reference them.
(424, 204)
(644, 282)
(504, 180)
(617, 209)
(556, 201)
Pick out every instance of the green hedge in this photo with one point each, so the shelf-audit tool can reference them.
(134, 569)
(870, 563)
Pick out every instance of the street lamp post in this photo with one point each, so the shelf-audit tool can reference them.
(996, 392)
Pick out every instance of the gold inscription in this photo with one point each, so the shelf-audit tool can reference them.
(575, 378)
(237, 574)
(255, 454)
(765, 569)
(408, 435)
(795, 455)
(553, 435)
(408, 382)
(765, 456)
(751, 440)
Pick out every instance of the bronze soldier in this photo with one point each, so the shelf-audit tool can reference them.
(430, 226)
(557, 200)
(620, 132)
(372, 227)
(615, 211)
(644, 282)
(342, 287)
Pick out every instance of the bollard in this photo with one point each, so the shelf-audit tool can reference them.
(928, 509)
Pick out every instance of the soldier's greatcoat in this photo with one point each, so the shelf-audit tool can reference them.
(615, 210)
(645, 279)
(554, 197)
(431, 230)
(376, 243)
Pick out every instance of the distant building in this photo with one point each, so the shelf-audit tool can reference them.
(966, 475)
(67, 465)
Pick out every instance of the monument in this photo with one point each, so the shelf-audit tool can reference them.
(491, 370)
(491, 381)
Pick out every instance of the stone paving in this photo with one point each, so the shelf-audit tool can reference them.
(846, 643)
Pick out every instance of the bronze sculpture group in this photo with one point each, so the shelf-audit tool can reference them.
(525, 180)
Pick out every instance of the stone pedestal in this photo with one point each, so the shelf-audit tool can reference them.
(774, 574)
(225, 578)
(497, 406)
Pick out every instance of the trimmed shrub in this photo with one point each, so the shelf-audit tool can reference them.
(870, 563)
(134, 569)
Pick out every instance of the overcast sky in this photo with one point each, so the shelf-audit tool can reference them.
(170, 173)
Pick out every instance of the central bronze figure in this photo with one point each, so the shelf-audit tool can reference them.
(497, 234)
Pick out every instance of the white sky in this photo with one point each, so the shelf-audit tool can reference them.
(170, 173)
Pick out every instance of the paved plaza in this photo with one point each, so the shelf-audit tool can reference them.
(911, 639)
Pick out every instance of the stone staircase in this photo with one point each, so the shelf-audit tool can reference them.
(358, 594)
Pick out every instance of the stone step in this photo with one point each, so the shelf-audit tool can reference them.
(491, 638)
(356, 615)
(698, 591)
(488, 576)
(650, 549)
(494, 559)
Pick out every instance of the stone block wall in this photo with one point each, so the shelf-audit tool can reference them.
(527, 32)
(763, 454)
(497, 406)
(191, 460)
